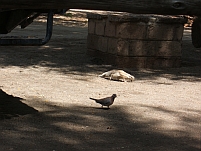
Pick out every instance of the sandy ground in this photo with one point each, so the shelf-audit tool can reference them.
(45, 105)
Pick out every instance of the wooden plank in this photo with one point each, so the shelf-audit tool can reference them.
(163, 7)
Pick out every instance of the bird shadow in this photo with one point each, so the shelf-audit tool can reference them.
(102, 108)
(96, 108)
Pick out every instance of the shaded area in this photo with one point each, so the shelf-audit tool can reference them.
(87, 128)
(66, 53)
(11, 106)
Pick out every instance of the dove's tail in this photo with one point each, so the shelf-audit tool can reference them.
(93, 99)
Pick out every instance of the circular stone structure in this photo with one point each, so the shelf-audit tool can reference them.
(136, 41)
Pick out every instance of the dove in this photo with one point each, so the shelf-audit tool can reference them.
(105, 101)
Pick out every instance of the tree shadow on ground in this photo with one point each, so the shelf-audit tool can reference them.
(86, 128)
(67, 53)
(64, 55)
(11, 106)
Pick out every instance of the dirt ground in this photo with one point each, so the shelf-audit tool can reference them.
(45, 105)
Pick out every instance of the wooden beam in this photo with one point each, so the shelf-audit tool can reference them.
(163, 7)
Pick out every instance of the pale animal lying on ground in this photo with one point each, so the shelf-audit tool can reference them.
(118, 75)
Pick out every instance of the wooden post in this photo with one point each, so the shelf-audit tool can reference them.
(163, 7)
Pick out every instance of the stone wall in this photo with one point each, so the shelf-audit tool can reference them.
(136, 41)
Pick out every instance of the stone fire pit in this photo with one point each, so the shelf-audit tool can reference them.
(136, 41)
